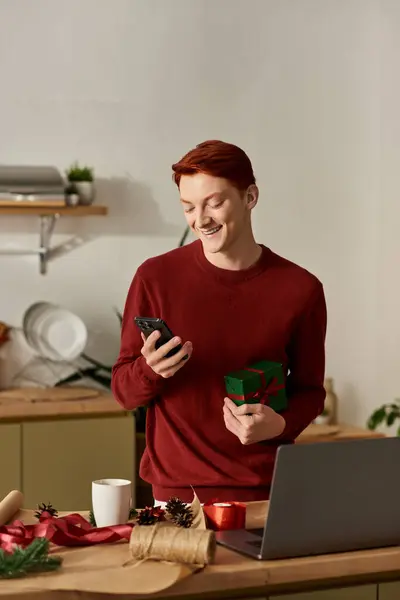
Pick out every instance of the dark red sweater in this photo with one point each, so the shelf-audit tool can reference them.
(275, 311)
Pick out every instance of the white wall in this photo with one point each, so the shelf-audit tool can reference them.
(130, 85)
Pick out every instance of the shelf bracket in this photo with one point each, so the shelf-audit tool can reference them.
(47, 221)
(47, 224)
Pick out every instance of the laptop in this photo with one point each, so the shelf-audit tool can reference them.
(327, 497)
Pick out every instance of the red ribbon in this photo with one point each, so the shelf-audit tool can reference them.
(221, 516)
(264, 392)
(71, 530)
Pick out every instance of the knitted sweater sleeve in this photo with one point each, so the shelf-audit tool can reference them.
(305, 382)
(133, 382)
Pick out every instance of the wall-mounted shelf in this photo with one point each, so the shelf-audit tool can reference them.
(48, 216)
(71, 211)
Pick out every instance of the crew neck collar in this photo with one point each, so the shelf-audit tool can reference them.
(228, 275)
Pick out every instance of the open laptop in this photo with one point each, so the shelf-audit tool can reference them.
(328, 497)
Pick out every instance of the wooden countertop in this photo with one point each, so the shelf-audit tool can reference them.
(232, 572)
(25, 404)
(340, 432)
(98, 568)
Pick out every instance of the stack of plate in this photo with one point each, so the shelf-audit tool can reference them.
(54, 332)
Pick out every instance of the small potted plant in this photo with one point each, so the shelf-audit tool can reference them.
(387, 414)
(81, 179)
(71, 195)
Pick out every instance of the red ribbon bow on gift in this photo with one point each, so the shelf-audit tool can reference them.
(264, 392)
(71, 530)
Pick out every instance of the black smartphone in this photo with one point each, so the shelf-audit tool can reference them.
(149, 324)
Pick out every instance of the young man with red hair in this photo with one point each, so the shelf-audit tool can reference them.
(231, 302)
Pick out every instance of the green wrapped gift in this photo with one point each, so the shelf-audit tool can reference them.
(262, 382)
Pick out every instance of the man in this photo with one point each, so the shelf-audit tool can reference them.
(231, 302)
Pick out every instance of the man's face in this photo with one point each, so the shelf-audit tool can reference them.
(215, 210)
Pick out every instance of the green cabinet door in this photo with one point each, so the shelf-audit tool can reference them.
(10, 458)
(62, 457)
(363, 592)
(389, 591)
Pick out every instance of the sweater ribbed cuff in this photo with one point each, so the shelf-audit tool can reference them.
(149, 375)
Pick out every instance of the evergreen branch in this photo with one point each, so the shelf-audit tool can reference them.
(32, 559)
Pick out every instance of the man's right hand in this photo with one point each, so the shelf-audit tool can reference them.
(156, 358)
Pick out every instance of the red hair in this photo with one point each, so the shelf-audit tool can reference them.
(218, 159)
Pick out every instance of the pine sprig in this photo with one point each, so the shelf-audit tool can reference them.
(32, 559)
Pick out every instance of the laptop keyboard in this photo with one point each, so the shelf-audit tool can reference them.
(255, 543)
(259, 532)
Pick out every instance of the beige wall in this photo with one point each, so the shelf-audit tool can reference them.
(309, 88)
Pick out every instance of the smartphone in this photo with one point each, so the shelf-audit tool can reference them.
(149, 324)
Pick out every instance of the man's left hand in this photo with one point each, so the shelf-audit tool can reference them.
(252, 423)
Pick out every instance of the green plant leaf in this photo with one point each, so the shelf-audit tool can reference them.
(119, 315)
(377, 417)
(96, 363)
(184, 236)
(78, 173)
(102, 379)
(76, 376)
(391, 417)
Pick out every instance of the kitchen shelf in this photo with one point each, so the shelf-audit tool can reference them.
(48, 216)
(71, 211)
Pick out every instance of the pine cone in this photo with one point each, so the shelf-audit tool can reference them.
(45, 511)
(175, 506)
(150, 515)
(184, 518)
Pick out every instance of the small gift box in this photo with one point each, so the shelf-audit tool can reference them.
(262, 382)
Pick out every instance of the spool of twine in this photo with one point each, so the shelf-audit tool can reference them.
(164, 541)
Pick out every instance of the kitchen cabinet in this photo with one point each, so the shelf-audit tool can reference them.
(389, 591)
(61, 458)
(10, 458)
(363, 592)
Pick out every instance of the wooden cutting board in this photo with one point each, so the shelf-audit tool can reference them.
(55, 394)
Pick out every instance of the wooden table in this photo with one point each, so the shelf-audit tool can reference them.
(350, 576)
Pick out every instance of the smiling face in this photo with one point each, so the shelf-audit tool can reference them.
(216, 211)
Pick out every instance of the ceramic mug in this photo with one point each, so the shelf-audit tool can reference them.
(111, 501)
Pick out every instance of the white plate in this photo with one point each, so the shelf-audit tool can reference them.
(61, 334)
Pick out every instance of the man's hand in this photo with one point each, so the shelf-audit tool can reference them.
(252, 422)
(155, 358)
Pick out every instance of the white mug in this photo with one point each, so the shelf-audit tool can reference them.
(111, 501)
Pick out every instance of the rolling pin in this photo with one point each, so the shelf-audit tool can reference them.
(10, 505)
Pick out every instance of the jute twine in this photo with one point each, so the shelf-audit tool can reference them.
(164, 541)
